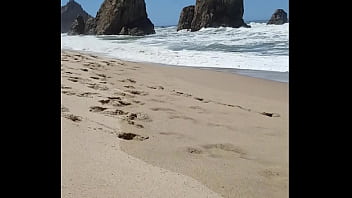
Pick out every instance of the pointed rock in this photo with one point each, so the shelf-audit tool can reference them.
(69, 13)
(186, 18)
(278, 18)
(77, 26)
(123, 17)
(90, 26)
(216, 13)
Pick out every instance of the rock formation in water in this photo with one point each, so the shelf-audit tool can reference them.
(77, 26)
(278, 18)
(90, 26)
(216, 13)
(69, 14)
(123, 17)
(186, 18)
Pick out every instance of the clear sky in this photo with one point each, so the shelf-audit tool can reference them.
(167, 12)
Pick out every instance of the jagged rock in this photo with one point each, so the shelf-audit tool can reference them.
(278, 18)
(69, 13)
(186, 18)
(123, 17)
(77, 26)
(90, 26)
(216, 13)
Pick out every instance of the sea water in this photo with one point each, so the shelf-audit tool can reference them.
(260, 51)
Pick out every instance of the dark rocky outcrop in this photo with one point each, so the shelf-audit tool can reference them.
(216, 13)
(278, 18)
(186, 18)
(78, 26)
(69, 13)
(123, 17)
(90, 26)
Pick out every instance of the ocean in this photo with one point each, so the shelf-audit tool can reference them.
(261, 51)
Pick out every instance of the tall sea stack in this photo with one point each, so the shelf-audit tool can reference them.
(215, 13)
(123, 17)
(69, 14)
(186, 18)
(78, 26)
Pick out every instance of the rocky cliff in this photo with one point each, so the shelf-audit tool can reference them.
(78, 26)
(216, 13)
(123, 17)
(186, 18)
(69, 13)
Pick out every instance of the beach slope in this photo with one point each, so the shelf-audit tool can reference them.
(145, 130)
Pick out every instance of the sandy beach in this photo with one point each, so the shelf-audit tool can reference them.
(145, 130)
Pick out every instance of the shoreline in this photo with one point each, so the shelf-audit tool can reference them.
(261, 74)
(224, 133)
(276, 76)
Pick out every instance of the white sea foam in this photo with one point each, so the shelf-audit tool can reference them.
(262, 47)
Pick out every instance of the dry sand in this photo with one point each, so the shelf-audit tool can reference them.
(143, 130)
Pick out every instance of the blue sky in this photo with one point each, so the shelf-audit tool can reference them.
(167, 12)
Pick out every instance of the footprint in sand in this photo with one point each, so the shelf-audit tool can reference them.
(106, 62)
(213, 150)
(132, 117)
(138, 102)
(120, 93)
(269, 173)
(162, 109)
(72, 80)
(143, 117)
(93, 56)
(270, 114)
(128, 80)
(131, 136)
(78, 79)
(87, 94)
(98, 87)
(69, 93)
(65, 87)
(72, 117)
(135, 92)
(88, 64)
(95, 78)
(182, 118)
(156, 87)
(115, 102)
(225, 147)
(129, 86)
(179, 93)
(238, 106)
(64, 109)
(202, 100)
(139, 116)
(116, 112)
(97, 109)
(131, 122)
(193, 150)
(250, 110)
(103, 75)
